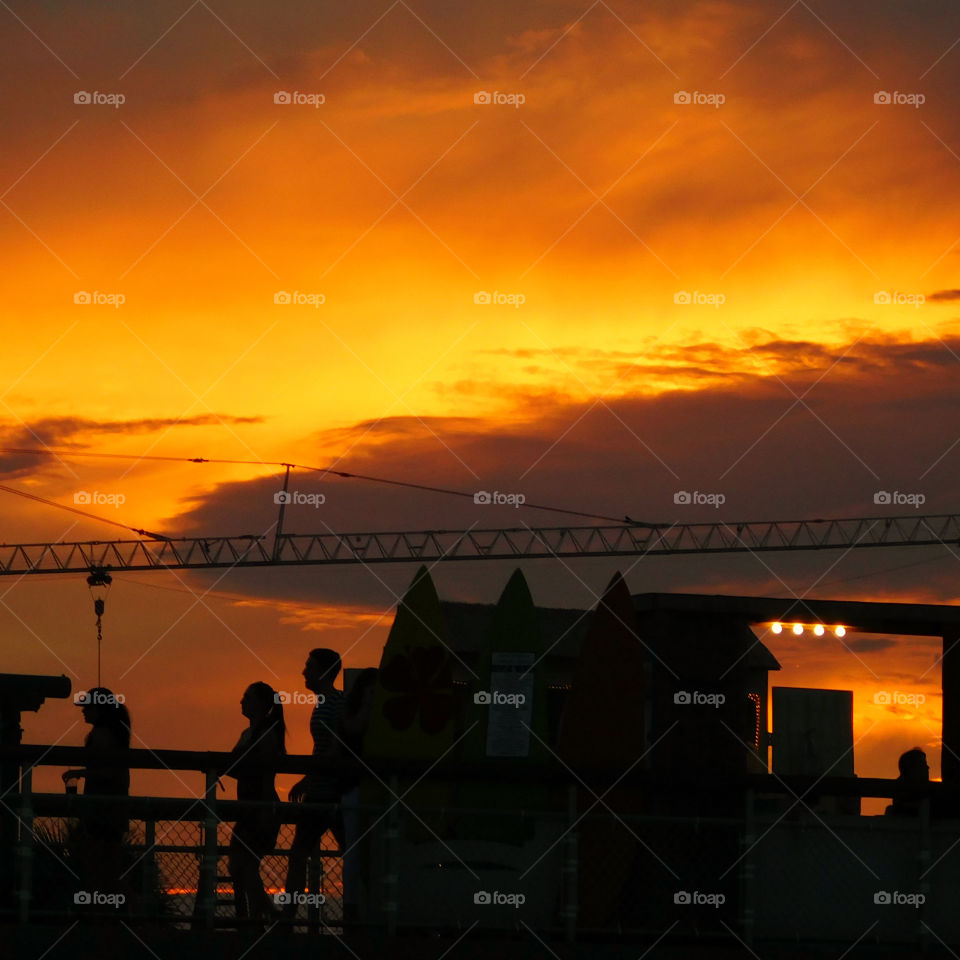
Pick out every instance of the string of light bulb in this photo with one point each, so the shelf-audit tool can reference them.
(818, 628)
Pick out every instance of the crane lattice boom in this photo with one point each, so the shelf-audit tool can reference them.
(516, 543)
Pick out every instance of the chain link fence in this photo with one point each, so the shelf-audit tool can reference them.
(160, 868)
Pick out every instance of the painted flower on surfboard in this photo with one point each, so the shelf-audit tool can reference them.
(422, 683)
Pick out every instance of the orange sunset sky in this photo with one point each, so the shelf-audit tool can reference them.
(720, 243)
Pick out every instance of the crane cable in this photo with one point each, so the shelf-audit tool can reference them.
(82, 513)
(297, 466)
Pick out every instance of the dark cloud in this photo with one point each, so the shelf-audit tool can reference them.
(757, 359)
(769, 454)
(944, 296)
(78, 433)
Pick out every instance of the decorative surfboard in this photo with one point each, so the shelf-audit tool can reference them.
(506, 717)
(445, 861)
(602, 728)
(413, 712)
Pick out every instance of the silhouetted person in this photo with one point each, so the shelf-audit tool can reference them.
(254, 766)
(914, 777)
(353, 726)
(104, 827)
(320, 785)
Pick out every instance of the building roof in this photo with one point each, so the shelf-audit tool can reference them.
(564, 629)
(912, 619)
(468, 624)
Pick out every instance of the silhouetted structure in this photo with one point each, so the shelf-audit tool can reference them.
(352, 728)
(687, 651)
(18, 692)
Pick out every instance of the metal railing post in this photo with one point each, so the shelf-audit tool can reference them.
(149, 867)
(207, 885)
(391, 842)
(571, 866)
(25, 845)
(923, 867)
(748, 869)
(315, 875)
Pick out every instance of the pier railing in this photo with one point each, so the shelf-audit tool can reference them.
(569, 856)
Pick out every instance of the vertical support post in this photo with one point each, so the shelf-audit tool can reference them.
(149, 867)
(571, 867)
(207, 886)
(923, 870)
(10, 734)
(748, 869)
(391, 877)
(25, 845)
(315, 874)
(950, 729)
(282, 498)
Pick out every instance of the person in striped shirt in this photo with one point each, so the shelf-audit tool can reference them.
(319, 786)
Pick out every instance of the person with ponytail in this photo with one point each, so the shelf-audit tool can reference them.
(254, 764)
(103, 826)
